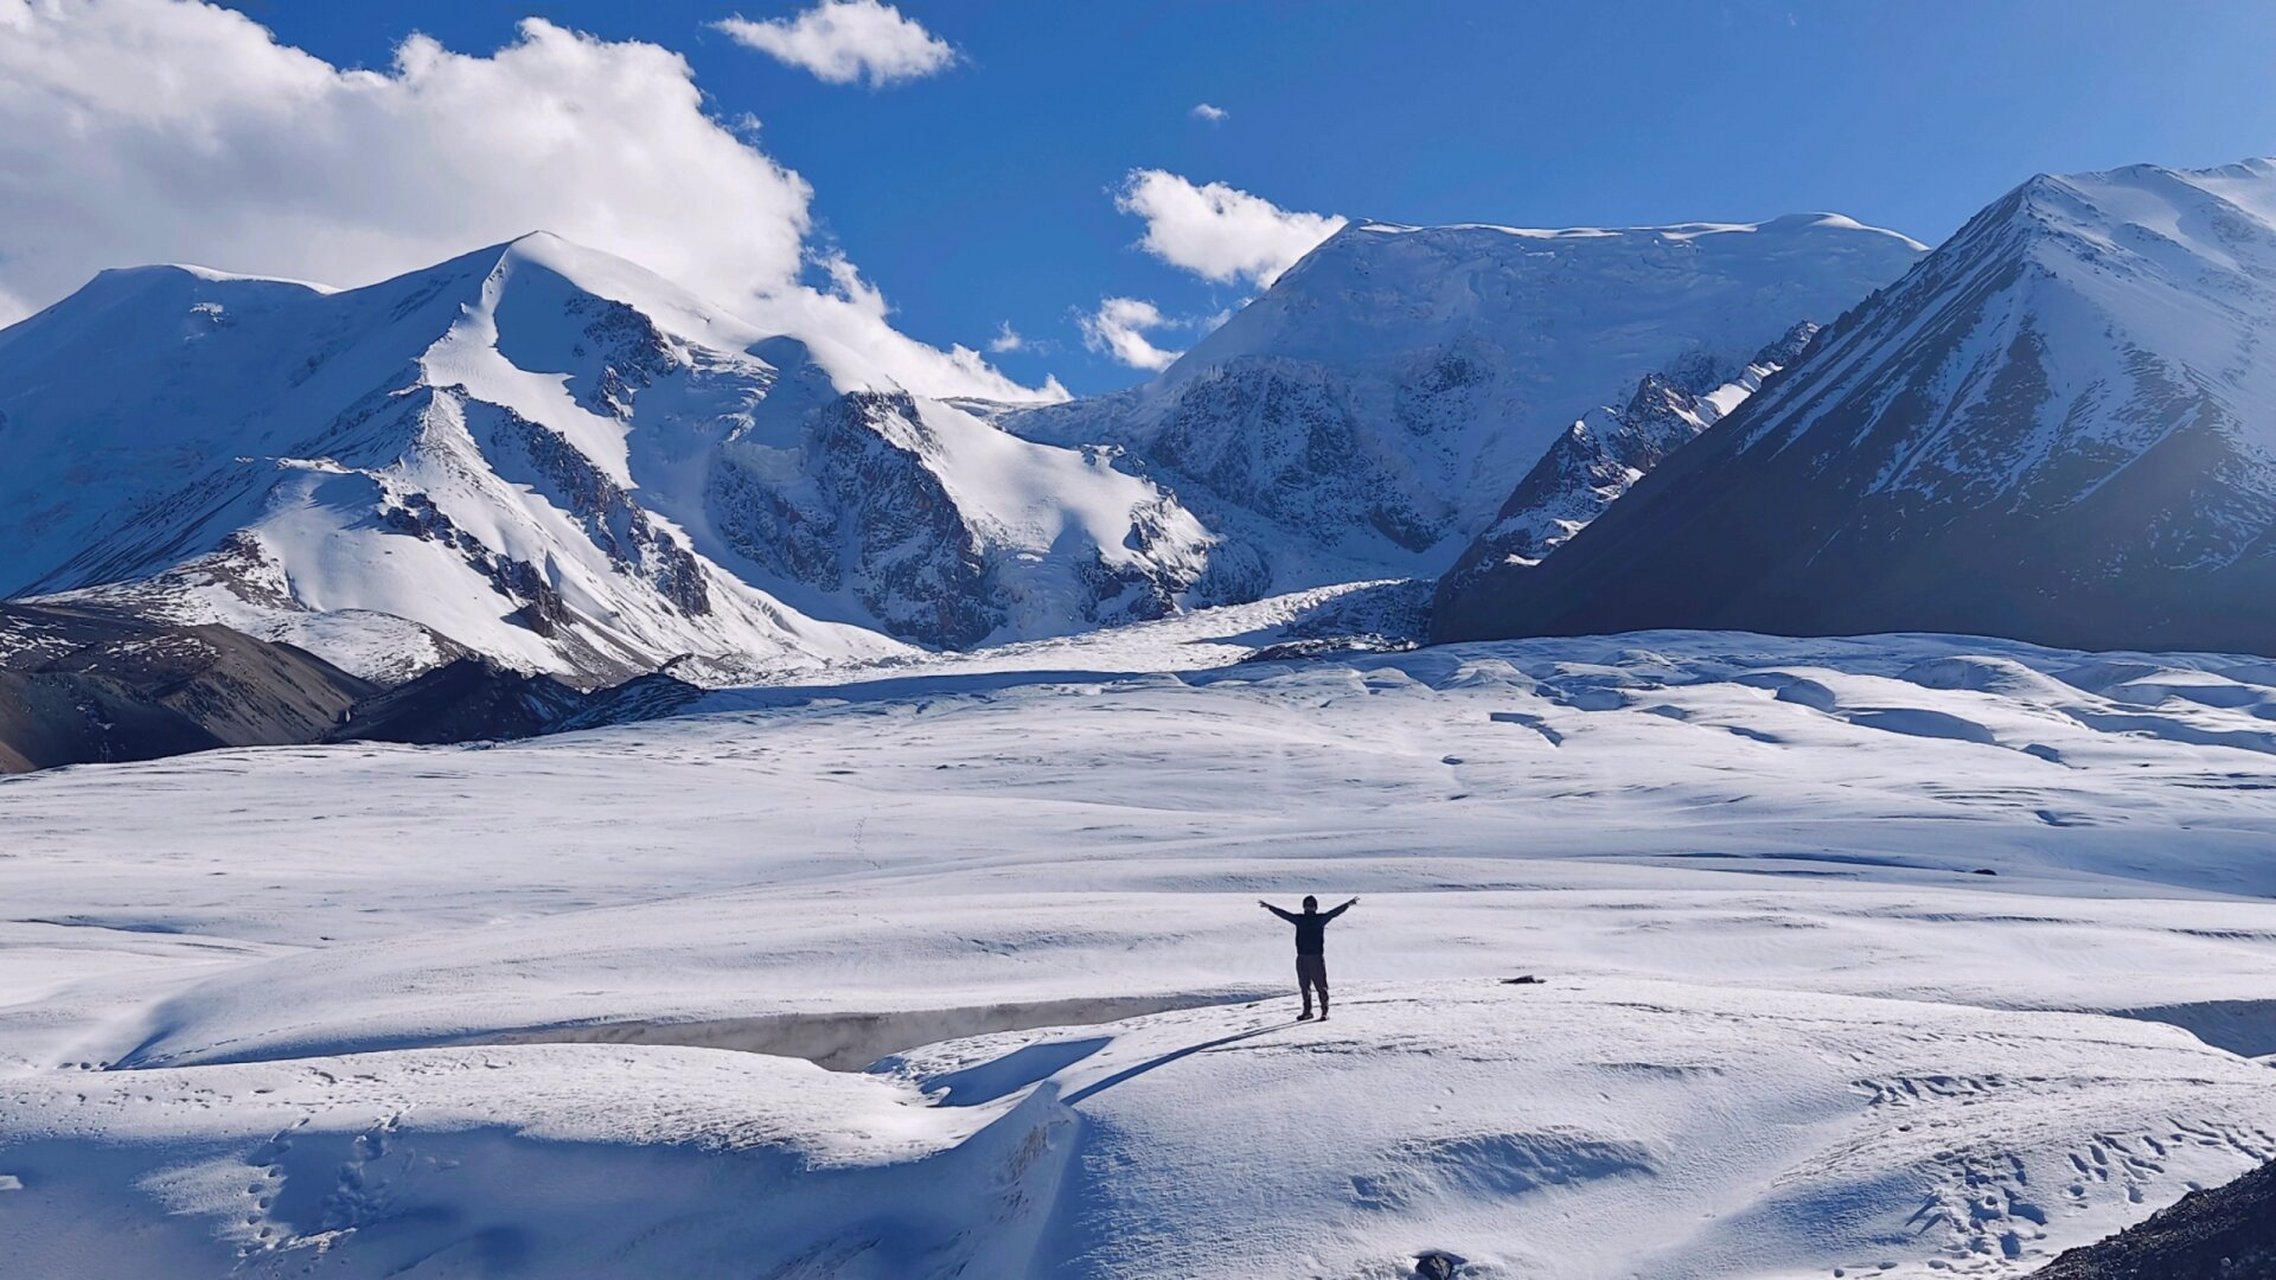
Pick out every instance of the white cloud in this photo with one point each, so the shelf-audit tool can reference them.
(854, 316)
(1007, 339)
(1118, 329)
(1213, 115)
(1219, 232)
(135, 131)
(842, 41)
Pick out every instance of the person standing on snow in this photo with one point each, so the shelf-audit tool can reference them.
(1311, 949)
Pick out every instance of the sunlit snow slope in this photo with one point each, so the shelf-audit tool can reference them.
(380, 1011)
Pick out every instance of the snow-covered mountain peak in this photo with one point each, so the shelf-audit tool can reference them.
(541, 271)
(113, 282)
(2209, 232)
(1822, 221)
(2106, 278)
(1781, 225)
(550, 456)
(2059, 426)
(1368, 414)
(2117, 193)
(1576, 313)
(538, 274)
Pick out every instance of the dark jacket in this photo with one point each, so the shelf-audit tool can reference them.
(1311, 928)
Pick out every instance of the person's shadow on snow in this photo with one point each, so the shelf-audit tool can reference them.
(1150, 1064)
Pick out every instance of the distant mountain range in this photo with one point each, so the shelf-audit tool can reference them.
(550, 458)
(2059, 427)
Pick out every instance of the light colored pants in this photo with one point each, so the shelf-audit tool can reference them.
(1311, 974)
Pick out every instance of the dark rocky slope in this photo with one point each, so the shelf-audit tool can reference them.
(2221, 1233)
(82, 684)
(85, 685)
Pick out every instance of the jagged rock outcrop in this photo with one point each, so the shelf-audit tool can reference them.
(928, 523)
(472, 699)
(1603, 455)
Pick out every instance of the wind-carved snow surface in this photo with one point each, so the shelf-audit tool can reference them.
(1367, 416)
(381, 1011)
(548, 456)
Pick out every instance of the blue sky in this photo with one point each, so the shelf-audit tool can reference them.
(983, 193)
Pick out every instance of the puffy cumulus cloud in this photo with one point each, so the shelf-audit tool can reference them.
(136, 131)
(1210, 114)
(154, 130)
(1007, 339)
(1119, 327)
(1219, 232)
(842, 41)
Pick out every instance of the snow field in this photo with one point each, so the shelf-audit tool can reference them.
(264, 1012)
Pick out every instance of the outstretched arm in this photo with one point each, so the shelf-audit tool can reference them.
(1276, 911)
(1345, 907)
